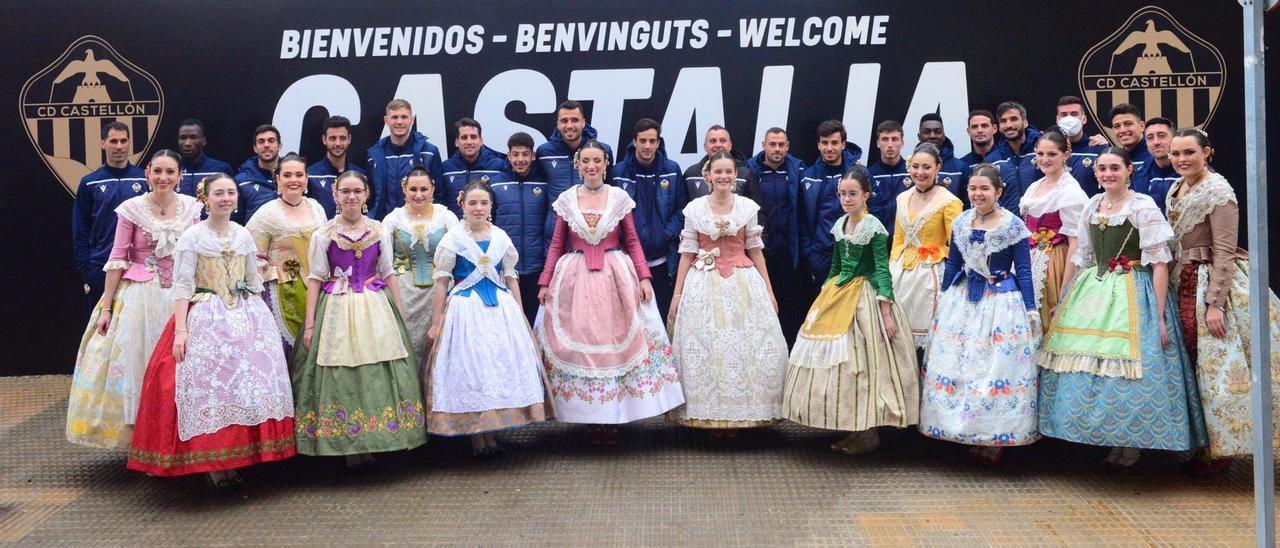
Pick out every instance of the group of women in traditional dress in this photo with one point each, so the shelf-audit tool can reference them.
(1090, 320)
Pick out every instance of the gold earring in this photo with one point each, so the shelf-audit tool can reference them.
(364, 208)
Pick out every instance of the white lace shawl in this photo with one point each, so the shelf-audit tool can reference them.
(617, 206)
(271, 220)
(1010, 232)
(318, 252)
(199, 241)
(399, 219)
(164, 233)
(1066, 197)
(698, 218)
(867, 228)
(457, 239)
(1154, 232)
(1189, 211)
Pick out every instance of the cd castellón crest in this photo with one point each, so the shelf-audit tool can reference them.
(65, 105)
(1155, 63)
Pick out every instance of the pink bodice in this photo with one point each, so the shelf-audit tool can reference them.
(724, 254)
(135, 247)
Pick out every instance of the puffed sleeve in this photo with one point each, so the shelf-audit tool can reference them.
(1083, 257)
(689, 236)
(1154, 234)
(444, 261)
(1224, 226)
(318, 257)
(1070, 213)
(251, 276)
(754, 231)
(262, 240)
(385, 251)
(184, 272)
(509, 260)
(122, 246)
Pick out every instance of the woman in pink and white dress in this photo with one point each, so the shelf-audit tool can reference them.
(607, 351)
(1051, 208)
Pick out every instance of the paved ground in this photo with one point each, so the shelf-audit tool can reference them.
(662, 486)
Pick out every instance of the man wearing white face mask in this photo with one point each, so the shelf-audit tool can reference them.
(1084, 148)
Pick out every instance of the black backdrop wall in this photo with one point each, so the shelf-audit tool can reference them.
(236, 64)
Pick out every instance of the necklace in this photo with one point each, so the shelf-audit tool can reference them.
(164, 209)
(925, 191)
(1109, 203)
(983, 216)
(722, 203)
(421, 217)
(351, 224)
(289, 203)
(478, 235)
(592, 189)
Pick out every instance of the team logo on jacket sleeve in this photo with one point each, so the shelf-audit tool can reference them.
(1156, 64)
(664, 184)
(537, 191)
(65, 105)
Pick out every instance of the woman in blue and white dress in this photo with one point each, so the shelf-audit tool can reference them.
(980, 381)
(487, 373)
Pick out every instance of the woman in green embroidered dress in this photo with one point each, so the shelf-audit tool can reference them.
(355, 375)
(1114, 370)
(853, 367)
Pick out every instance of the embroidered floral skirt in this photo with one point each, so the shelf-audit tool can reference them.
(1047, 268)
(158, 449)
(1099, 405)
(608, 357)
(916, 291)
(729, 348)
(1222, 365)
(979, 387)
(859, 380)
(347, 410)
(107, 381)
(486, 373)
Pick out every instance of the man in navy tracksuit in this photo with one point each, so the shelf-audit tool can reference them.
(654, 182)
(520, 209)
(472, 161)
(256, 179)
(1157, 175)
(778, 174)
(93, 215)
(718, 139)
(982, 138)
(196, 165)
(821, 206)
(322, 174)
(556, 155)
(953, 173)
(1071, 119)
(1015, 155)
(391, 158)
(888, 174)
(1128, 127)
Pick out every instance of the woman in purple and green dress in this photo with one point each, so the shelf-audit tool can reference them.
(355, 375)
